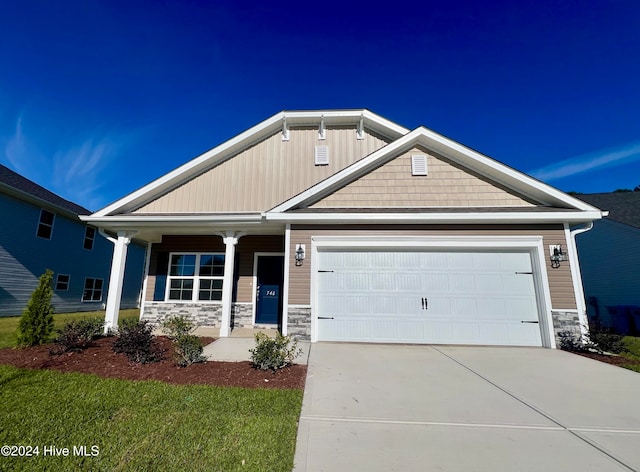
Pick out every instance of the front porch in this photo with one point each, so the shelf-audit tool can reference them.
(229, 284)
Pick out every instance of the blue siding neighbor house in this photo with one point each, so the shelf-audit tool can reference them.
(610, 261)
(40, 231)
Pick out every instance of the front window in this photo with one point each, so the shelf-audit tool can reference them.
(92, 290)
(195, 277)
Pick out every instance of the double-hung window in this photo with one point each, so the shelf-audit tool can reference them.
(195, 277)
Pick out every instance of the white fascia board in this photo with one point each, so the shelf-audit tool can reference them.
(471, 159)
(434, 218)
(246, 138)
(171, 220)
(428, 241)
(501, 172)
(195, 165)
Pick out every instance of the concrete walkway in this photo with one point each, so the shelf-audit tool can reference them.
(416, 408)
(236, 348)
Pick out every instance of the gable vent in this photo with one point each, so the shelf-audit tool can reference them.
(322, 155)
(419, 164)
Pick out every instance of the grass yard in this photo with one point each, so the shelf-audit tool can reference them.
(9, 325)
(633, 346)
(144, 425)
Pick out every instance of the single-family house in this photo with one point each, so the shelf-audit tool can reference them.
(340, 225)
(610, 262)
(42, 230)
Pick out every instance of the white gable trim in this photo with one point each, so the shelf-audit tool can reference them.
(227, 149)
(490, 168)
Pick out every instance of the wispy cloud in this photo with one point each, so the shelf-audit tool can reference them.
(588, 162)
(76, 171)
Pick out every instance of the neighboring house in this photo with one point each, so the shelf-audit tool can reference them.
(40, 231)
(344, 226)
(610, 261)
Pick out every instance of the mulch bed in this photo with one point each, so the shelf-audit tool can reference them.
(102, 361)
(610, 359)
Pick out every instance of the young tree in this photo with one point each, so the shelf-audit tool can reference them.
(36, 323)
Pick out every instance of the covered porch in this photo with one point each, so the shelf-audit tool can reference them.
(228, 279)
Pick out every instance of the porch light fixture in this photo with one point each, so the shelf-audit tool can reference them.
(556, 255)
(299, 254)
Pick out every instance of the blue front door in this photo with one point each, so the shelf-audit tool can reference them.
(270, 275)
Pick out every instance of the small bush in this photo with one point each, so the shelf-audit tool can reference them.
(571, 341)
(187, 348)
(273, 353)
(36, 322)
(136, 342)
(606, 340)
(77, 335)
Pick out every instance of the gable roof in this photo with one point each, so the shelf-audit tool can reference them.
(278, 122)
(13, 183)
(623, 207)
(473, 160)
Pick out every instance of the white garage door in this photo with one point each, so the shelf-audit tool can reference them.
(470, 297)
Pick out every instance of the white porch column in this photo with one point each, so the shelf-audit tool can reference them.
(117, 278)
(230, 240)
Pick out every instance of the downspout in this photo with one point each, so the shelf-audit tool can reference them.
(577, 275)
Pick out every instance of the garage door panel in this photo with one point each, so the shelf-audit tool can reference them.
(472, 297)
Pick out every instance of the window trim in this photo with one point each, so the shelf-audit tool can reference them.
(84, 288)
(68, 283)
(92, 239)
(41, 223)
(196, 278)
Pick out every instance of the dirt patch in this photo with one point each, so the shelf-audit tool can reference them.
(610, 359)
(102, 361)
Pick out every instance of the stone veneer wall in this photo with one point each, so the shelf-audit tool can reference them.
(242, 315)
(198, 313)
(565, 321)
(299, 323)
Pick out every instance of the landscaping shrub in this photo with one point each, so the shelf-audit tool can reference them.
(606, 340)
(571, 341)
(273, 353)
(77, 335)
(187, 348)
(136, 342)
(36, 323)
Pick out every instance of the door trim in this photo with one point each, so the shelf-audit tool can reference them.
(532, 244)
(254, 282)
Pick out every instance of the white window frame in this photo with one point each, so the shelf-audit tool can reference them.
(68, 283)
(84, 287)
(86, 238)
(41, 223)
(196, 278)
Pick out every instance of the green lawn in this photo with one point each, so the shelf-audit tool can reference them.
(633, 346)
(144, 425)
(9, 325)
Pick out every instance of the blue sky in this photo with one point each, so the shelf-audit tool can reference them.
(97, 98)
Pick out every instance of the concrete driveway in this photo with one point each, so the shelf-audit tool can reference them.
(459, 408)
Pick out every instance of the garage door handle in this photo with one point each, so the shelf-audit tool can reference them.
(532, 322)
(425, 303)
(325, 317)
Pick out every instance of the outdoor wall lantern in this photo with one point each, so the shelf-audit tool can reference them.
(556, 255)
(300, 249)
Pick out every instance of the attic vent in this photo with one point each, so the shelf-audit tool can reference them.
(419, 164)
(322, 155)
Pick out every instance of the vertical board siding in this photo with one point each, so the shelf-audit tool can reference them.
(560, 281)
(243, 272)
(267, 173)
(24, 257)
(447, 184)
